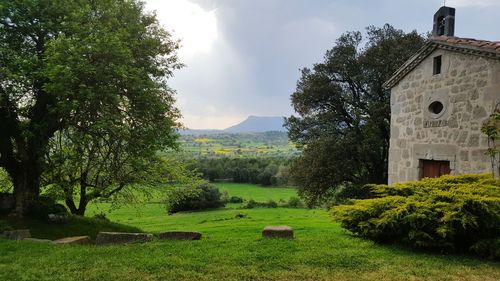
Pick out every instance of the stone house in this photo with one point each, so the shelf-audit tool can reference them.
(439, 100)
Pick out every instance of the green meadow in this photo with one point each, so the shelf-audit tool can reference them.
(231, 248)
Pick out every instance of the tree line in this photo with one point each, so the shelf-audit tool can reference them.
(272, 171)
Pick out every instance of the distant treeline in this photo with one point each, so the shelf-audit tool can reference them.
(265, 171)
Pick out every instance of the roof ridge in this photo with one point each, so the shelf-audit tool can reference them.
(484, 48)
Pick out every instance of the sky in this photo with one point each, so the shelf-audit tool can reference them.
(243, 57)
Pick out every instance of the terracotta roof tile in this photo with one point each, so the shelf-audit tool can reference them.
(489, 46)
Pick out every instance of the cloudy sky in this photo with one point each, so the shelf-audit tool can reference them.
(243, 56)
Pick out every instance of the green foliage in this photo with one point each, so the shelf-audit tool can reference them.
(264, 171)
(344, 112)
(235, 199)
(250, 204)
(5, 181)
(491, 129)
(95, 73)
(251, 145)
(201, 197)
(454, 213)
(295, 202)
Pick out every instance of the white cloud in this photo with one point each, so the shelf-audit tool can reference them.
(472, 3)
(196, 27)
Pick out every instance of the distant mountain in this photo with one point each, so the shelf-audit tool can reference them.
(253, 124)
(197, 132)
(258, 124)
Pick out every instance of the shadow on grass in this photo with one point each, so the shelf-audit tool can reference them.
(76, 226)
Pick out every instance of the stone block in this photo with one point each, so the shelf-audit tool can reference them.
(277, 232)
(18, 234)
(180, 235)
(58, 218)
(76, 240)
(38, 240)
(106, 238)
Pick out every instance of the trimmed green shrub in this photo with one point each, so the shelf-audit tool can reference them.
(235, 199)
(451, 213)
(204, 196)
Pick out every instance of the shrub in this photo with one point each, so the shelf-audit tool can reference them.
(45, 206)
(453, 213)
(295, 202)
(204, 196)
(235, 199)
(253, 204)
(271, 204)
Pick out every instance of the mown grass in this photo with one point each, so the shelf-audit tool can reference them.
(232, 249)
(256, 192)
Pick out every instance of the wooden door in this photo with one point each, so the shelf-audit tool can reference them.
(434, 169)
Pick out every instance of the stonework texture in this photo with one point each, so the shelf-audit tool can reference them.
(468, 87)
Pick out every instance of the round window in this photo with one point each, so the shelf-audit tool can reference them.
(436, 107)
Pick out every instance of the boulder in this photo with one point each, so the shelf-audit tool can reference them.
(17, 234)
(58, 218)
(76, 240)
(277, 232)
(180, 235)
(106, 238)
(38, 240)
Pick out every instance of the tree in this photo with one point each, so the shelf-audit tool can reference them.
(83, 66)
(491, 128)
(344, 111)
(86, 166)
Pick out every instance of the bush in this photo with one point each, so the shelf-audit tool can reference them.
(295, 202)
(271, 204)
(204, 196)
(253, 204)
(452, 213)
(45, 206)
(235, 199)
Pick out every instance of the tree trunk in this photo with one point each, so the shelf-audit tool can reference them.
(26, 188)
(71, 204)
(82, 207)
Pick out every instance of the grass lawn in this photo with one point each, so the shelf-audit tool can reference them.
(232, 249)
(256, 192)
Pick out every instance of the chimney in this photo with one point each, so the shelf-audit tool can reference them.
(444, 22)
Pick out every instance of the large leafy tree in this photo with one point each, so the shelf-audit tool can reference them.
(91, 67)
(344, 111)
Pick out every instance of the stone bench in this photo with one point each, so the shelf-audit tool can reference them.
(180, 235)
(38, 240)
(106, 238)
(76, 240)
(282, 231)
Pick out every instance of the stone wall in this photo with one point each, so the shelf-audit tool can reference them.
(468, 88)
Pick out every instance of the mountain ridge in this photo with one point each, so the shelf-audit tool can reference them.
(252, 124)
